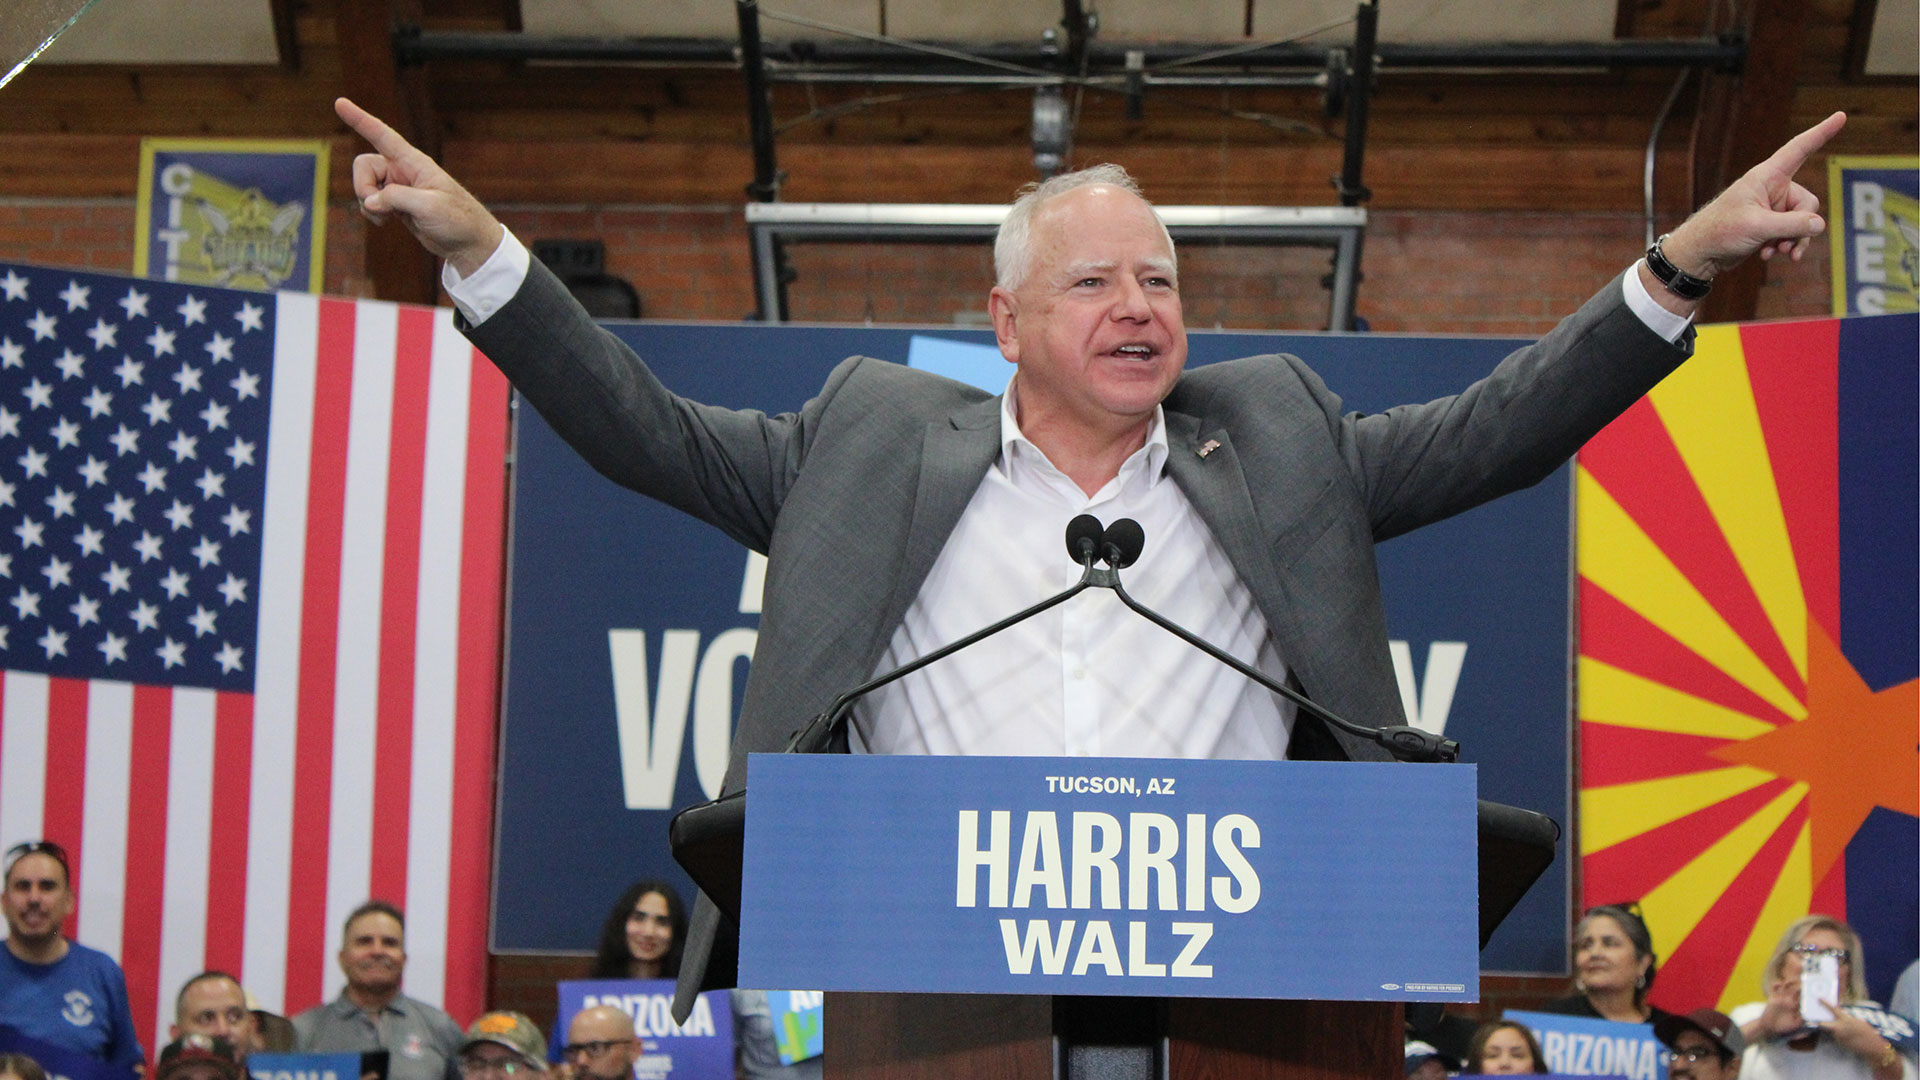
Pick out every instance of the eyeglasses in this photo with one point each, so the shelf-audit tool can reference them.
(1693, 1056)
(509, 1067)
(591, 1049)
(1811, 952)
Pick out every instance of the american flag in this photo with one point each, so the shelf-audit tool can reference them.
(250, 588)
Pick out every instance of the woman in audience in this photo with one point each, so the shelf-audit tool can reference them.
(1504, 1048)
(1613, 965)
(1781, 1045)
(644, 934)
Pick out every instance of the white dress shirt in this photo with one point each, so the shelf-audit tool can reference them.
(1087, 677)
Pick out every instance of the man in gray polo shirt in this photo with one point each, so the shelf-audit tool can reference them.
(372, 1014)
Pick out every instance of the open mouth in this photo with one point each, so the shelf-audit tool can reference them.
(1135, 352)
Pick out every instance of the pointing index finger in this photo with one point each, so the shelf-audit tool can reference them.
(1798, 149)
(384, 139)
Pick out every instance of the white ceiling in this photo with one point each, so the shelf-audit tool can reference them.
(242, 31)
(1894, 48)
(169, 32)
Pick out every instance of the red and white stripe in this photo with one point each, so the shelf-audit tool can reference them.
(235, 831)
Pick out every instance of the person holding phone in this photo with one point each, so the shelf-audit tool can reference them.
(1816, 1020)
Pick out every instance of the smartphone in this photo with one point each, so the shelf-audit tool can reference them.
(1819, 984)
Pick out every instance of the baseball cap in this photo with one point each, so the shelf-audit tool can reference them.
(515, 1031)
(196, 1048)
(1714, 1025)
(1419, 1053)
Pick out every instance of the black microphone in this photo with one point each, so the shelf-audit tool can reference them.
(1122, 544)
(1084, 537)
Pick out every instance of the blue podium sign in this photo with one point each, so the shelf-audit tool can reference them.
(1126, 876)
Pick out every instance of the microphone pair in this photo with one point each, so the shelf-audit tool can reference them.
(1118, 544)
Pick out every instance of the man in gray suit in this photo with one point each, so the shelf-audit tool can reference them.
(899, 510)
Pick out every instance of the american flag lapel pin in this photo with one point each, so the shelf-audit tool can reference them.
(1209, 447)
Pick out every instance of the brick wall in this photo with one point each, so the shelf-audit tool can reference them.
(1453, 273)
(95, 234)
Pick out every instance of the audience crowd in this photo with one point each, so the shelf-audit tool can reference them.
(73, 999)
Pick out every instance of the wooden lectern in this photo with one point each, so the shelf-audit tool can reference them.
(1007, 1037)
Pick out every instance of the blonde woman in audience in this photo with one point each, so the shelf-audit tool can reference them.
(1783, 1045)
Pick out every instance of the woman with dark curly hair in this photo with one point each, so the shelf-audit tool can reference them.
(643, 935)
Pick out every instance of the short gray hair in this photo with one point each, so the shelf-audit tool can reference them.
(1013, 244)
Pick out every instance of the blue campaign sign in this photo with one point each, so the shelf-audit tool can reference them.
(59, 1062)
(700, 1049)
(1585, 1046)
(631, 627)
(1128, 876)
(310, 1066)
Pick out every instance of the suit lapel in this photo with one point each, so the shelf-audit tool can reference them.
(1204, 462)
(955, 454)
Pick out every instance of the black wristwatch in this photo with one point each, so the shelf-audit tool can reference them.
(1678, 281)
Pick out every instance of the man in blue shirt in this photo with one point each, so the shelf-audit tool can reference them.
(53, 989)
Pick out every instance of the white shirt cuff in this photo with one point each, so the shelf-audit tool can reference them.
(1658, 319)
(487, 290)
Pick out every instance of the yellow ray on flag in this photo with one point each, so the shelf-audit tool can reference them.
(1790, 898)
(1618, 556)
(1675, 906)
(1619, 812)
(1610, 695)
(1709, 412)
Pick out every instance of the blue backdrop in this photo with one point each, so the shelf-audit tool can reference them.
(597, 571)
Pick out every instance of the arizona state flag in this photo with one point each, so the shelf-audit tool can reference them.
(1749, 577)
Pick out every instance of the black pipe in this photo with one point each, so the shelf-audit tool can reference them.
(415, 46)
(1360, 97)
(766, 178)
(1074, 18)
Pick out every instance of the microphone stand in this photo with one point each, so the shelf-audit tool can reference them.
(1401, 740)
(819, 732)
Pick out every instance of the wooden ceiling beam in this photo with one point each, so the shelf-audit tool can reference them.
(396, 265)
(1742, 120)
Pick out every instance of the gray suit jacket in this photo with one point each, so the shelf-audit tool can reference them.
(853, 496)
